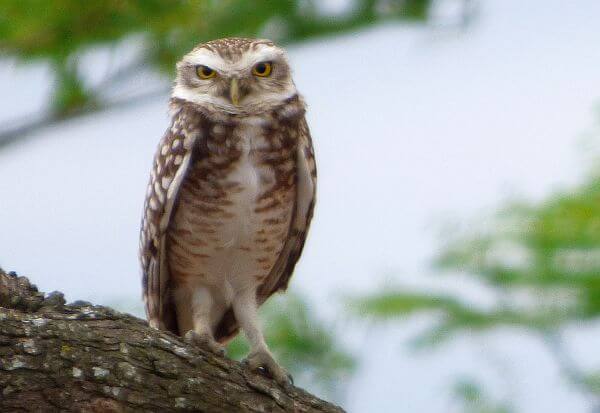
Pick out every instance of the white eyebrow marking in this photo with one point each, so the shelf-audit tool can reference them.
(213, 60)
(205, 57)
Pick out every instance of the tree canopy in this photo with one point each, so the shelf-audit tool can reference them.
(59, 32)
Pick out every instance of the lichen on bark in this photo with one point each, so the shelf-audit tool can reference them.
(82, 357)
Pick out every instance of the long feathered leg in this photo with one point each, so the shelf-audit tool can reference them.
(245, 308)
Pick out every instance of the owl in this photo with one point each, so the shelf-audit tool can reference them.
(230, 198)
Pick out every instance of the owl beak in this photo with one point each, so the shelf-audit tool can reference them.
(234, 92)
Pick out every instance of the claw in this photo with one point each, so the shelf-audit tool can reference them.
(263, 363)
(205, 341)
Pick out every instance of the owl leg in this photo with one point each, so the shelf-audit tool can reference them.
(194, 306)
(260, 358)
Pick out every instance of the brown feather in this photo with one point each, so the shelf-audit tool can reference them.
(193, 126)
(283, 269)
(172, 157)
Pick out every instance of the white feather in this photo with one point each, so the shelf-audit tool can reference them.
(213, 60)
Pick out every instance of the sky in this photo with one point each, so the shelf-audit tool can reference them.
(413, 126)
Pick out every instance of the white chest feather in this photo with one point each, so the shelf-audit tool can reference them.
(250, 178)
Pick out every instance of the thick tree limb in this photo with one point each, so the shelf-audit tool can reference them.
(87, 358)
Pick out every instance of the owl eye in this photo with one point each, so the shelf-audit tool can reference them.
(262, 69)
(205, 72)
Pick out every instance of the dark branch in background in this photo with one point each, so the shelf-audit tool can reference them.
(167, 31)
(122, 74)
(24, 130)
(19, 130)
(81, 357)
(569, 367)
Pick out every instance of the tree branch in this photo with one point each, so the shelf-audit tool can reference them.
(569, 367)
(23, 130)
(122, 74)
(82, 357)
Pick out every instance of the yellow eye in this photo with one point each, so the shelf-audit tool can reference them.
(205, 72)
(262, 69)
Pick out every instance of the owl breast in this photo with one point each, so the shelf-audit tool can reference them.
(251, 181)
(234, 209)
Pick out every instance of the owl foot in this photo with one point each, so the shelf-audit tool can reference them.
(263, 362)
(205, 341)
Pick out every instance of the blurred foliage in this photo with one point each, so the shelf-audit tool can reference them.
(542, 261)
(540, 264)
(473, 399)
(592, 380)
(304, 345)
(59, 31)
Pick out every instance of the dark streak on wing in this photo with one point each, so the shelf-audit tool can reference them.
(170, 162)
(306, 181)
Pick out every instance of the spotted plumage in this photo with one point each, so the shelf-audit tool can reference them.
(230, 197)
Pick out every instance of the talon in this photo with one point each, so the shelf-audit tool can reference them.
(191, 337)
(263, 363)
(263, 370)
(205, 341)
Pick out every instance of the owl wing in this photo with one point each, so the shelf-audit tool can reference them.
(306, 185)
(171, 163)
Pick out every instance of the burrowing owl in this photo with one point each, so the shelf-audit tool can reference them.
(230, 198)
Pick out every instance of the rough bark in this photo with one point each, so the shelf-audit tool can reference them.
(88, 358)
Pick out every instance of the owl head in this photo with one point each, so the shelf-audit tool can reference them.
(235, 75)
